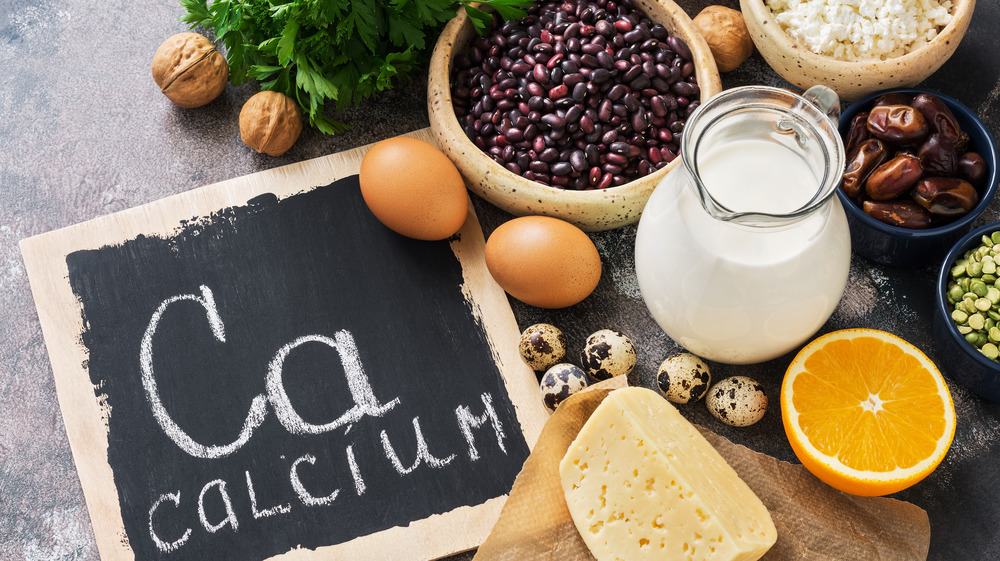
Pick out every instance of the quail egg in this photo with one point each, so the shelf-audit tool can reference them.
(683, 378)
(542, 345)
(608, 353)
(560, 382)
(738, 401)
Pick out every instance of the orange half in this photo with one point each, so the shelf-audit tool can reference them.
(866, 412)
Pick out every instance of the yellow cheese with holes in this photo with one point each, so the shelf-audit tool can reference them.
(642, 483)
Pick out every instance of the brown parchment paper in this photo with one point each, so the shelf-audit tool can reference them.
(814, 521)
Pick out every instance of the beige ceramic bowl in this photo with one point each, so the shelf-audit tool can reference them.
(590, 210)
(851, 80)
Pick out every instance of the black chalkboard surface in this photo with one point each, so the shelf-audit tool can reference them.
(290, 374)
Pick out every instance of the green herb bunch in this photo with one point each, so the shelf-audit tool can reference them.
(343, 51)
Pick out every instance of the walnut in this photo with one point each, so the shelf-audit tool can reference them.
(189, 71)
(270, 122)
(727, 35)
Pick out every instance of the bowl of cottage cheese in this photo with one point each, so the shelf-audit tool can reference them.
(856, 47)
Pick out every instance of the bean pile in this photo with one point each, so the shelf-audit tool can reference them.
(975, 296)
(579, 95)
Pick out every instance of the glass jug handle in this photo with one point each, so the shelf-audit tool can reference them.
(825, 100)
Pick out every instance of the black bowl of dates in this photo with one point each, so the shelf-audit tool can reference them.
(921, 167)
(967, 312)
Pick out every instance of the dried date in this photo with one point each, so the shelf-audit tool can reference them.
(946, 196)
(895, 98)
(857, 133)
(894, 177)
(972, 168)
(899, 124)
(938, 156)
(905, 214)
(869, 155)
(939, 118)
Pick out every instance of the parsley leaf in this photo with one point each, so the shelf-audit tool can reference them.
(337, 51)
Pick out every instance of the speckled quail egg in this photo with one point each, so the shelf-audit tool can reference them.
(683, 378)
(542, 345)
(738, 401)
(560, 382)
(608, 353)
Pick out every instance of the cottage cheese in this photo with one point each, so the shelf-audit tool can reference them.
(855, 30)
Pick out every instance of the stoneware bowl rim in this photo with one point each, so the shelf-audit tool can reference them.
(962, 11)
(853, 79)
(957, 251)
(539, 197)
(988, 152)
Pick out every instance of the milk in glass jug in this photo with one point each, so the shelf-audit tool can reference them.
(742, 252)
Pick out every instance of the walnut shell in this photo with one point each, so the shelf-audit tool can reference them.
(727, 36)
(270, 122)
(189, 71)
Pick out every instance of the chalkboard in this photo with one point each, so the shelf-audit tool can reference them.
(285, 376)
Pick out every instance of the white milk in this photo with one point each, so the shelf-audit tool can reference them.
(757, 176)
(736, 293)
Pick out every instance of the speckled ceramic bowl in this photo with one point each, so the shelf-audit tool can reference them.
(902, 247)
(592, 210)
(851, 80)
(958, 358)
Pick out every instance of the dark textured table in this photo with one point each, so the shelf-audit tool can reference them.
(85, 132)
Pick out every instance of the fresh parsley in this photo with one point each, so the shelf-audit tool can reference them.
(343, 51)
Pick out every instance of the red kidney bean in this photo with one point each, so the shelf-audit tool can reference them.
(561, 168)
(679, 47)
(655, 155)
(600, 75)
(568, 81)
(539, 166)
(641, 81)
(595, 175)
(616, 159)
(513, 135)
(540, 74)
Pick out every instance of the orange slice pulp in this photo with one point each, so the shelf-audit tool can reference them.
(866, 412)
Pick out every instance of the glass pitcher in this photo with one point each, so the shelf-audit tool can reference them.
(742, 252)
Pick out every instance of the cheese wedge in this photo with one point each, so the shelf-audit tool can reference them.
(642, 483)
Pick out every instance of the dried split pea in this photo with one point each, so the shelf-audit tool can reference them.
(974, 295)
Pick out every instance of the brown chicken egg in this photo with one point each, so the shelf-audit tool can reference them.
(543, 261)
(413, 188)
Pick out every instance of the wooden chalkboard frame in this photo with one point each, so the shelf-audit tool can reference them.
(85, 416)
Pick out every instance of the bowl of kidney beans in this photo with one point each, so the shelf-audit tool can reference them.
(921, 168)
(574, 111)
